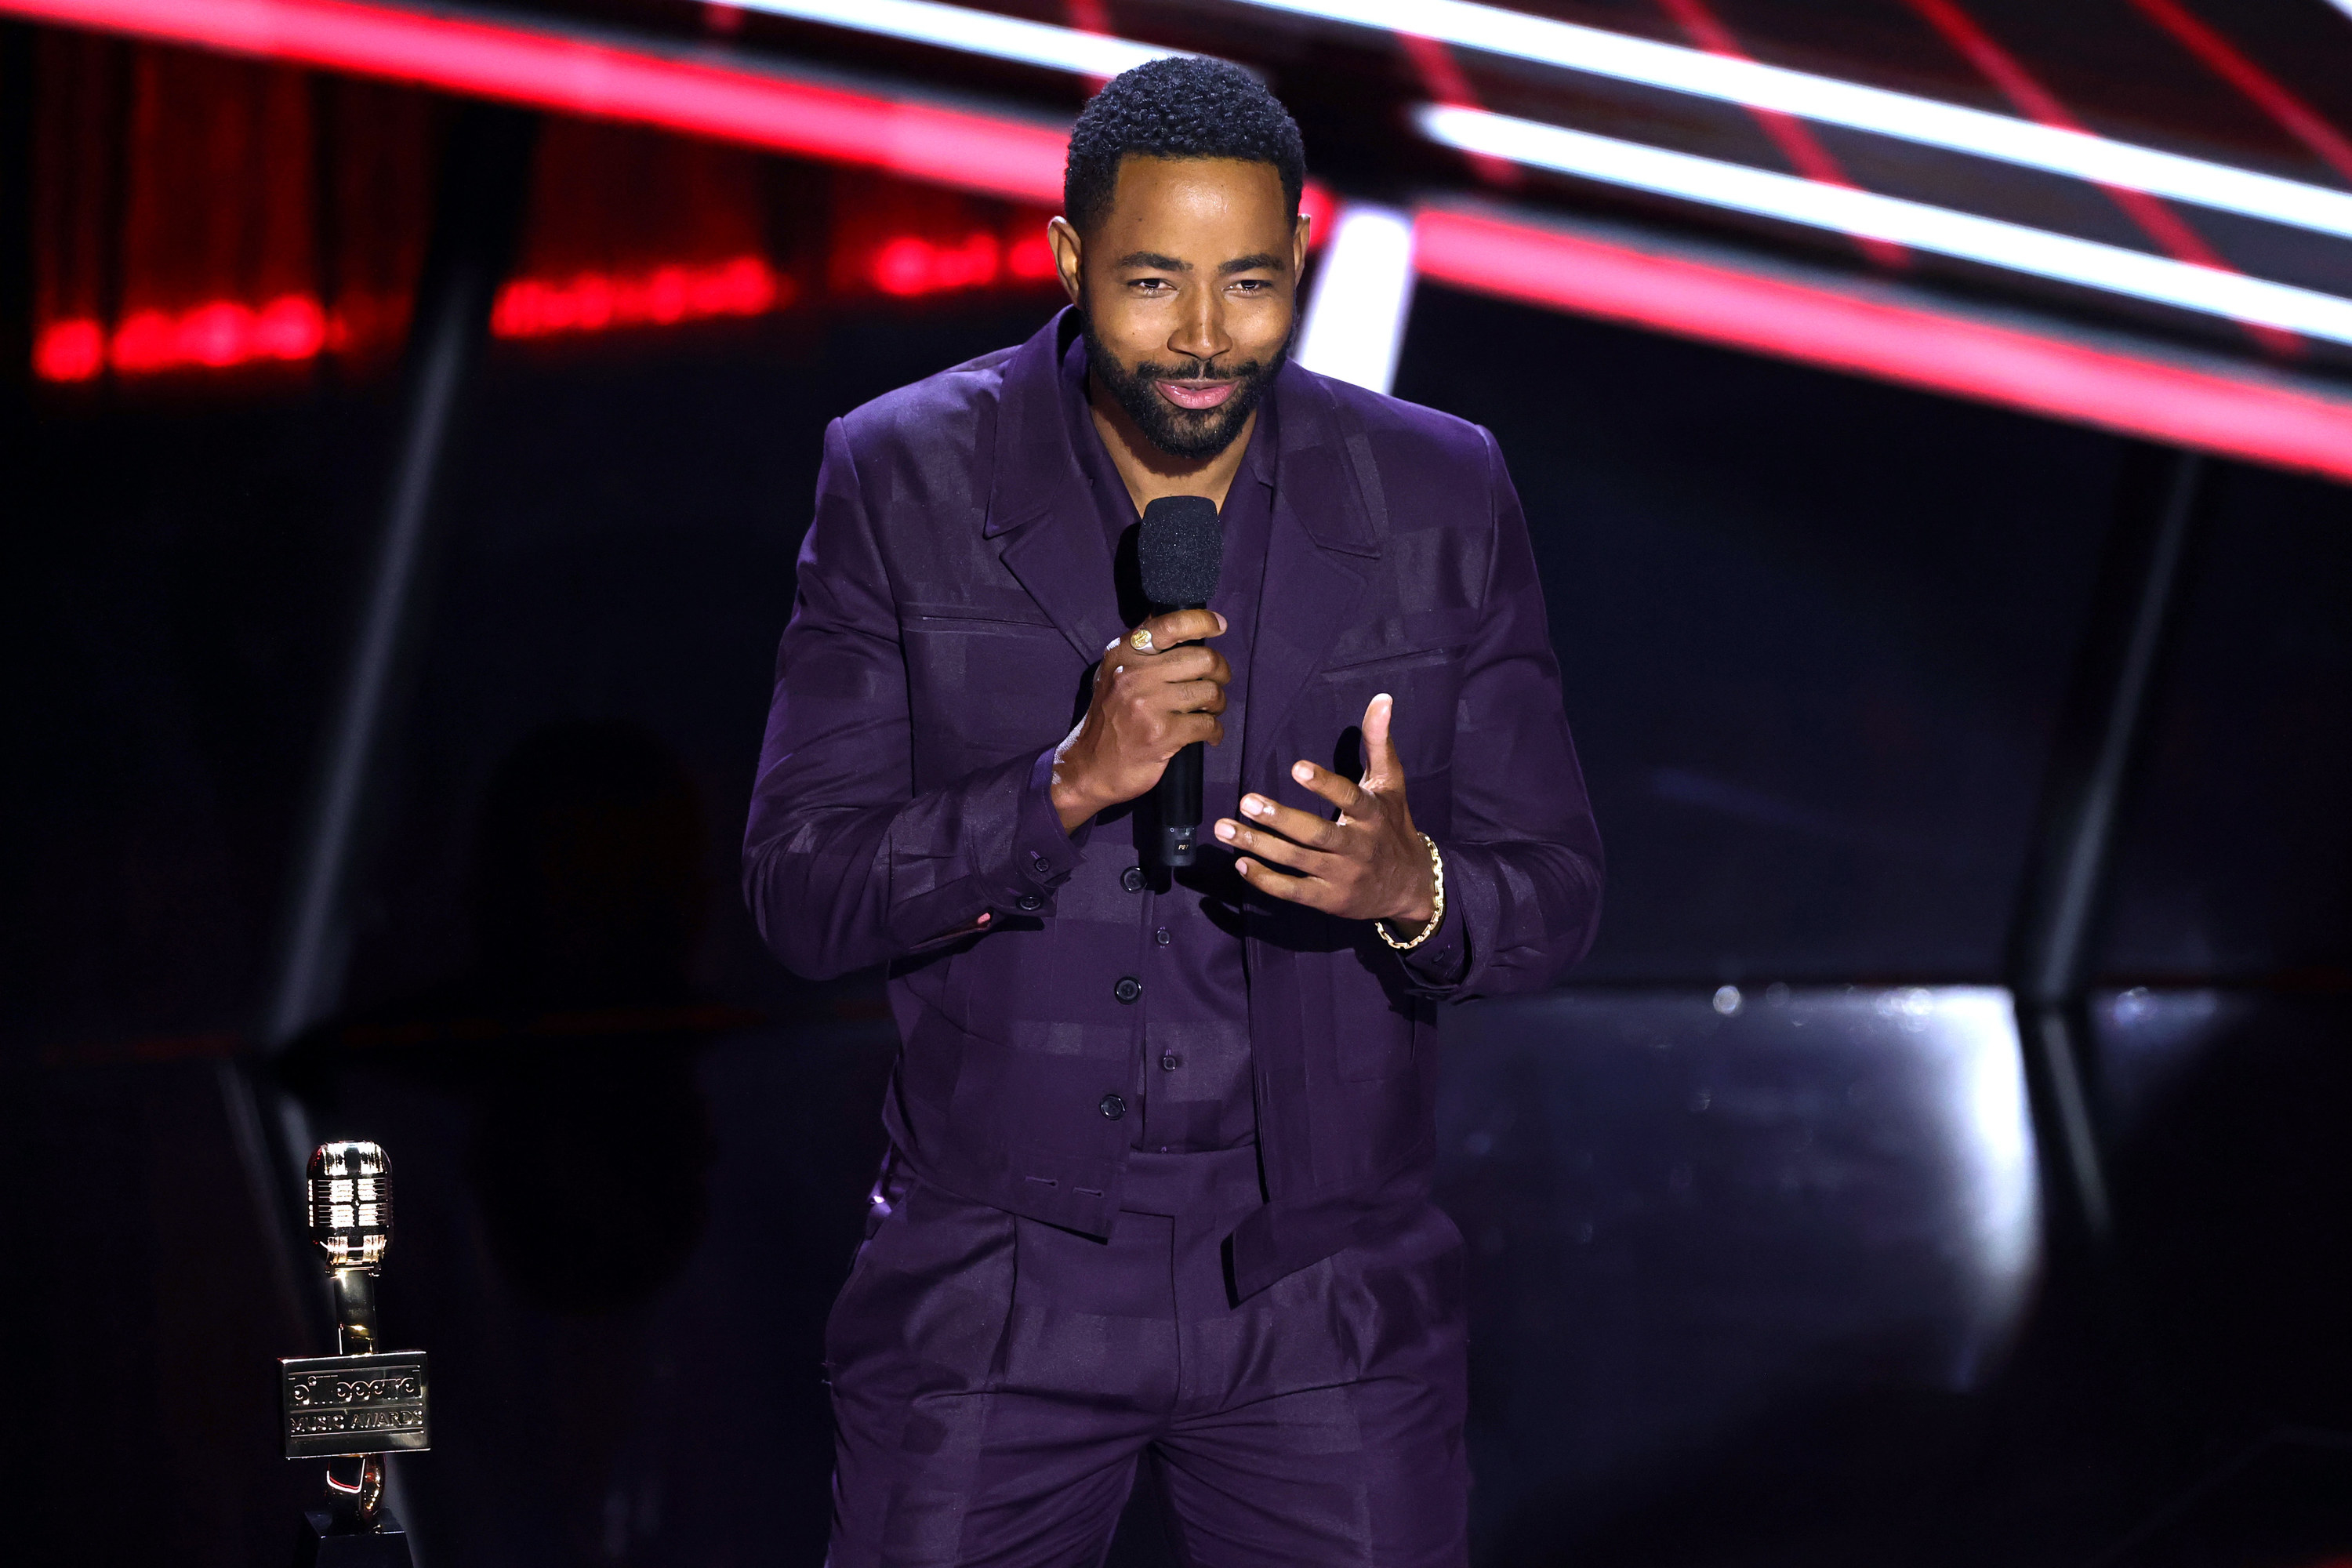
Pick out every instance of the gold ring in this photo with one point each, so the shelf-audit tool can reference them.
(1140, 639)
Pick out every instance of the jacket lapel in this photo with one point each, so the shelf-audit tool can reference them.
(1325, 533)
(1040, 509)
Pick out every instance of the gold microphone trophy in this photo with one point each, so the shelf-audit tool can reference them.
(366, 1402)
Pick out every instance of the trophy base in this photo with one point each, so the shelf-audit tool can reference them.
(323, 1540)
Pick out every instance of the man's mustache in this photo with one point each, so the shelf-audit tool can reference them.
(1196, 371)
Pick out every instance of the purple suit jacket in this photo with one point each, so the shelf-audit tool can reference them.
(954, 591)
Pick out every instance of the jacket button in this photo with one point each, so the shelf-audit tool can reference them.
(1113, 1107)
(1170, 1062)
(1163, 936)
(1030, 902)
(1132, 879)
(1042, 865)
(1128, 989)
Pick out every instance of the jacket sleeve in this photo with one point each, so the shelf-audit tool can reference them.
(1523, 863)
(844, 865)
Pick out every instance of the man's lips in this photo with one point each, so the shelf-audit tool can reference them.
(1195, 395)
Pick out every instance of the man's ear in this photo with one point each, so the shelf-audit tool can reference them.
(1068, 253)
(1299, 239)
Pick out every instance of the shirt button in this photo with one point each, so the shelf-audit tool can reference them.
(1030, 902)
(1162, 936)
(1132, 879)
(1128, 989)
(1170, 1062)
(1113, 1107)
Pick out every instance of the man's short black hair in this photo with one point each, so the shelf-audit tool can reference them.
(1180, 107)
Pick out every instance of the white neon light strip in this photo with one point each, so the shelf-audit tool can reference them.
(1355, 323)
(1923, 120)
(2014, 247)
(973, 32)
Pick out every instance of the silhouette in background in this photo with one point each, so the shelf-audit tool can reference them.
(554, 1152)
(588, 900)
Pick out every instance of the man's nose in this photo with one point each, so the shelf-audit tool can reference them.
(1200, 334)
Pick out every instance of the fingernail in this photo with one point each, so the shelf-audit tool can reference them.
(1225, 831)
(1303, 773)
(1384, 697)
(1221, 621)
(1252, 804)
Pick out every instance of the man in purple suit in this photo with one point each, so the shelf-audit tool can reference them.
(1160, 1146)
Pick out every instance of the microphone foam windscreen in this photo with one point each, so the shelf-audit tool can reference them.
(1180, 549)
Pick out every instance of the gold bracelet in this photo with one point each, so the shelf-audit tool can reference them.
(1437, 902)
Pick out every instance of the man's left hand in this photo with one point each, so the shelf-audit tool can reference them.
(1370, 864)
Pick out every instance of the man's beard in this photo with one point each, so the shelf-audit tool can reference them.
(1188, 433)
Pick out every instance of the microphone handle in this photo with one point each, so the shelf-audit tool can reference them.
(1178, 798)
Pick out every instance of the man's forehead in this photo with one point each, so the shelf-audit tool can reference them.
(1197, 193)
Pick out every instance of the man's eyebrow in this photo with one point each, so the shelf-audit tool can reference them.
(1152, 258)
(1266, 259)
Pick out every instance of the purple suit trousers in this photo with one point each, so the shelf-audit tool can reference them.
(999, 1381)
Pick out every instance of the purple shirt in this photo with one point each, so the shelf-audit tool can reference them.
(1192, 1086)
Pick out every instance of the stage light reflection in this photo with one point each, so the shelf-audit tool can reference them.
(1831, 100)
(1522, 260)
(1991, 1134)
(1355, 323)
(1990, 242)
(1084, 52)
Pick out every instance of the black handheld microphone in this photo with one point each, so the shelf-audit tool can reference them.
(1180, 550)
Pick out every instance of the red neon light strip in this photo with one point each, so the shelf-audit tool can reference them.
(2155, 220)
(595, 301)
(1791, 135)
(213, 336)
(1893, 342)
(2297, 117)
(994, 155)
(1715, 304)
(910, 266)
(224, 333)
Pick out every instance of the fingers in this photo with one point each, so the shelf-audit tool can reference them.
(1241, 836)
(1183, 627)
(1190, 662)
(1299, 826)
(1337, 788)
(1183, 729)
(1382, 763)
(1195, 697)
(1312, 891)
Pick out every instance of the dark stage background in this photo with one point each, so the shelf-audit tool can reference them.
(1784, 1248)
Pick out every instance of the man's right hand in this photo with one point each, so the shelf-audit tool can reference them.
(1146, 707)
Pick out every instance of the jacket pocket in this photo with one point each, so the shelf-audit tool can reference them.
(1426, 685)
(990, 687)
